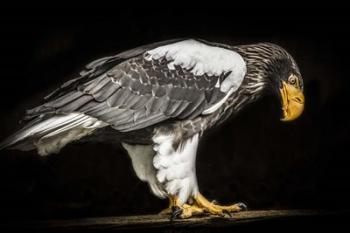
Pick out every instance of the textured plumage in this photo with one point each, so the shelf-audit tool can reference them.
(157, 100)
(142, 90)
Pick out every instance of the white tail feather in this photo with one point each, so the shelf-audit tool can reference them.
(50, 135)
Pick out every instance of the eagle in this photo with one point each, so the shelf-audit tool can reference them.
(158, 100)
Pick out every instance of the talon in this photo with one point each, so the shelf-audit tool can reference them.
(176, 213)
(199, 205)
(166, 211)
(227, 213)
(215, 209)
(242, 206)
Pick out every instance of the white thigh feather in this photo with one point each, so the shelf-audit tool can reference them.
(142, 162)
(176, 169)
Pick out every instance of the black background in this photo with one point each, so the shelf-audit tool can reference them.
(254, 158)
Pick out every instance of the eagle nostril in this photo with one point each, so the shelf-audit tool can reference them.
(298, 99)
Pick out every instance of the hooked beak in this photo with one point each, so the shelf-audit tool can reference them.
(292, 101)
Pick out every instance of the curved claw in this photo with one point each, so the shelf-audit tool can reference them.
(242, 206)
(227, 213)
(176, 213)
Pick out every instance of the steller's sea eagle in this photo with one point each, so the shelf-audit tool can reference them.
(157, 101)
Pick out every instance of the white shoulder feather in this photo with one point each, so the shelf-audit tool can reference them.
(201, 59)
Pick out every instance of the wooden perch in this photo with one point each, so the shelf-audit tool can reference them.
(156, 223)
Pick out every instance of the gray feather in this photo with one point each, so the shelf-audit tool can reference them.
(131, 93)
(104, 81)
(106, 92)
(172, 107)
(76, 104)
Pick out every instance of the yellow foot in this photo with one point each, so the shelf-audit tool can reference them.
(172, 202)
(214, 209)
(186, 211)
(166, 211)
(200, 206)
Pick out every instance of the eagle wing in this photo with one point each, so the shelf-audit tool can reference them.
(141, 87)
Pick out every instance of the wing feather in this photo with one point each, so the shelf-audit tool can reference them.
(131, 91)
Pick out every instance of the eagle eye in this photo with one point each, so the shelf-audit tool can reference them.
(293, 80)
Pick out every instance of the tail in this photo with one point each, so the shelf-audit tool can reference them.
(15, 139)
(51, 134)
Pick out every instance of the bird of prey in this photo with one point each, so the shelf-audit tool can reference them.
(157, 101)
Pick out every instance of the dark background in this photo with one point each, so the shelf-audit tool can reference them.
(254, 158)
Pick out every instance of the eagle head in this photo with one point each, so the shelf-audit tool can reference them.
(287, 84)
(273, 66)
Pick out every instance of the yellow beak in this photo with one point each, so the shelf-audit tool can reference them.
(292, 101)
